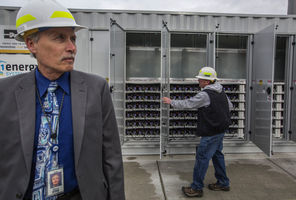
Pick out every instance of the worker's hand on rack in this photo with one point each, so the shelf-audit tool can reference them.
(166, 100)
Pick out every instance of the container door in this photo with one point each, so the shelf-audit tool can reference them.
(117, 64)
(165, 74)
(293, 95)
(262, 89)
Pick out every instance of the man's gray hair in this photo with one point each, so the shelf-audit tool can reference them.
(35, 37)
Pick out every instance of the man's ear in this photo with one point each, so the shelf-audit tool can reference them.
(31, 45)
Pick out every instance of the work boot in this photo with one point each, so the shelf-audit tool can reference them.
(189, 192)
(217, 187)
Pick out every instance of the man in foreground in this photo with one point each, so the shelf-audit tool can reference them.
(55, 119)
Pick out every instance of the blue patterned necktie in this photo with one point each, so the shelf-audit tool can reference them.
(47, 148)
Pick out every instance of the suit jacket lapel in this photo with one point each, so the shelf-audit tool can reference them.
(78, 101)
(25, 99)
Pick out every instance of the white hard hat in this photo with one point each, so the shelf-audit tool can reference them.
(207, 73)
(38, 14)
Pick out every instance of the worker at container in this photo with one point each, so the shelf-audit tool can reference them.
(213, 107)
(55, 120)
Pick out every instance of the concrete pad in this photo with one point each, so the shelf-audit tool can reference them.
(251, 179)
(174, 175)
(142, 180)
(286, 162)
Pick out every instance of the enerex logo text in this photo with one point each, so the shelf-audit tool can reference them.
(9, 69)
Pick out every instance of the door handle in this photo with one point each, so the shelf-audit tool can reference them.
(268, 90)
(111, 88)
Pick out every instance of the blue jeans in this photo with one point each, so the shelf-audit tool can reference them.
(210, 147)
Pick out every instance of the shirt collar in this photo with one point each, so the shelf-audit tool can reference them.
(43, 83)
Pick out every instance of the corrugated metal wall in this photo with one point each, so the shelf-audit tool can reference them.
(177, 21)
(196, 22)
(99, 20)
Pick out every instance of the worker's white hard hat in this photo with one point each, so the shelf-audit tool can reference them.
(38, 15)
(207, 73)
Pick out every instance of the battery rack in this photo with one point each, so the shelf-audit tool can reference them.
(182, 122)
(236, 92)
(142, 110)
(278, 109)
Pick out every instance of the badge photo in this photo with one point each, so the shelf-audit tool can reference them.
(55, 182)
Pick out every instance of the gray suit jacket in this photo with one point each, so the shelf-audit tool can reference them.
(98, 159)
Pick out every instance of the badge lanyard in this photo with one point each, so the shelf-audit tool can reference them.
(53, 134)
(56, 172)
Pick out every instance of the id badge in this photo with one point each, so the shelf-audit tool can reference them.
(55, 182)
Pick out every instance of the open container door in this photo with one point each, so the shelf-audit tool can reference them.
(116, 77)
(293, 95)
(262, 89)
(165, 74)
